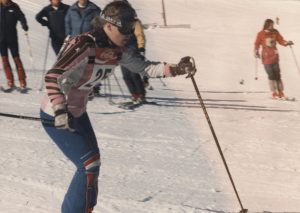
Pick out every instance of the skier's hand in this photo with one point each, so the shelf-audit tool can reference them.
(256, 54)
(63, 119)
(142, 53)
(289, 43)
(185, 66)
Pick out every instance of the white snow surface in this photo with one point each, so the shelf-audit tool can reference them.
(163, 159)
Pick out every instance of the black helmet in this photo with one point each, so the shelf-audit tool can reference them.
(120, 14)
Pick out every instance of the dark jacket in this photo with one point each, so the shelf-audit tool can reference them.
(54, 20)
(77, 23)
(9, 16)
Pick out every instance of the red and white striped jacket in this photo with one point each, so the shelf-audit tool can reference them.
(85, 61)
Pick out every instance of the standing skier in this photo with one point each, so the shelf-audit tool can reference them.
(10, 14)
(267, 38)
(134, 80)
(53, 17)
(85, 60)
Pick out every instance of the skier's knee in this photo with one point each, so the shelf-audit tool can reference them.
(93, 163)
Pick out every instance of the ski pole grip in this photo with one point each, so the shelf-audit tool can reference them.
(193, 69)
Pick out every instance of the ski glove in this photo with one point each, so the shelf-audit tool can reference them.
(63, 119)
(185, 66)
(256, 54)
(141, 52)
(289, 43)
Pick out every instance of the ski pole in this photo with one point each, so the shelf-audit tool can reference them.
(110, 101)
(215, 136)
(295, 59)
(163, 83)
(45, 63)
(121, 90)
(256, 69)
(30, 49)
(27, 118)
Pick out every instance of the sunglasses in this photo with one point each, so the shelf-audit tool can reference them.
(124, 28)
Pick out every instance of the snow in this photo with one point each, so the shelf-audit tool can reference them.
(163, 159)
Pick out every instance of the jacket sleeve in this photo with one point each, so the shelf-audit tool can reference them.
(133, 62)
(280, 39)
(139, 34)
(257, 42)
(42, 17)
(68, 24)
(21, 18)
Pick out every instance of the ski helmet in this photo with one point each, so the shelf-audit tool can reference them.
(120, 14)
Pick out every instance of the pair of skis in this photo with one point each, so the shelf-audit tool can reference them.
(284, 99)
(130, 105)
(11, 89)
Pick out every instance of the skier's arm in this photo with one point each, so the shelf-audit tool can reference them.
(257, 45)
(21, 18)
(281, 40)
(133, 62)
(42, 17)
(68, 25)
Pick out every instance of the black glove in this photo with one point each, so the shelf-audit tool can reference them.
(256, 54)
(25, 27)
(289, 43)
(185, 66)
(141, 52)
(63, 119)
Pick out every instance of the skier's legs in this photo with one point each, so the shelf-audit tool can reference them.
(14, 49)
(274, 77)
(82, 149)
(129, 81)
(56, 45)
(6, 65)
(20, 71)
(279, 82)
(139, 85)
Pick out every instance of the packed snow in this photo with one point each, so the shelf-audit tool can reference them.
(163, 159)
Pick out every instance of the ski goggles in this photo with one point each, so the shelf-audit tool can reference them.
(126, 28)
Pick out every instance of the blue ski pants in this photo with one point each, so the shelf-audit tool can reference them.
(82, 149)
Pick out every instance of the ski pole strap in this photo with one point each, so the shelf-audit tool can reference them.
(45, 121)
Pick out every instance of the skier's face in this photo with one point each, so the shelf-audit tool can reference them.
(55, 3)
(115, 35)
(271, 26)
(83, 2)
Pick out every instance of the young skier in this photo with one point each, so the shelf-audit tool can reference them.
(267, 38)
(10, 14)
(85, 60)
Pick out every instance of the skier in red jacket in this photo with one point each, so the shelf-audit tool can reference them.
(267, 38)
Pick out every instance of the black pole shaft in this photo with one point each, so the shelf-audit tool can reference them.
(26, 118)
(119, 85)
(164, 12)
(295, 59)
(217, 143)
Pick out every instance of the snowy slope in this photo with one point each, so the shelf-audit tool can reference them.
(162, 159)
